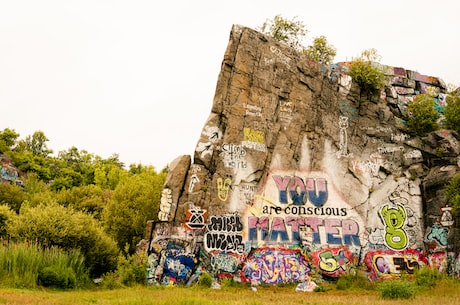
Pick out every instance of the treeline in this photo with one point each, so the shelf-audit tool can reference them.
(75, 201)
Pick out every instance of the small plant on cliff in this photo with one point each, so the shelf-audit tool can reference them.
(453, 192)
(321, 51)
(290, 32)
(452, 112)
(422, 115)
(365, 73)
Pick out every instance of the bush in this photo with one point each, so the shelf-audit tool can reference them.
(453, 192)
(205, 280)
(422, 115)
(132, 269)
(53, 225)
(55, 276)
(396, 289)
(452, 113)
(353, 281)
(365, 73)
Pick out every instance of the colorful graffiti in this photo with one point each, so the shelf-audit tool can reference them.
(274, 266)
(166, 202)
(170, 261)
(334, 262)
(385, 264)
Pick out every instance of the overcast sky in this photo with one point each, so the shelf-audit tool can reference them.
(137, 78)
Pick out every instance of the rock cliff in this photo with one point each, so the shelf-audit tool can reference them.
(296, 173)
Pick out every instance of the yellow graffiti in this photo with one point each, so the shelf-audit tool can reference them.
(251, 135)
(394, 218)
(223, 186)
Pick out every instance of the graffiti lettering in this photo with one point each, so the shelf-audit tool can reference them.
(276, 266)
(394, 218)
(224, 234)
(337, 231)
(165, 204)
(316, 189)
(223, 187)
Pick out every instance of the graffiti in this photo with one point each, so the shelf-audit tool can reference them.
(195, 218)
(8, 173)
(343, 146)
(413, 154)
(247, 191)
(169, 261)
(193, 180)
(438, 234)
(214, 135)
(323, 231)
(224, 233)
(166, 202)
(401, 137)
(233, 155)
(280, 56)
(274, 266)
(394, 218)
(254, 139)
(223, 187)
(253, 110)
(348, 110)
(447, 219)
(285, 110)
(334, 261)
(389, 149)
(389, 263)
(224, 262)
(298, 190)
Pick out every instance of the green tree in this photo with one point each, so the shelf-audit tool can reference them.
(90, 199)
(422, 115)
(6, 215)
(55, 225)
(452, 112)
(290, 32)
(8, 138)
(36, 144)
(134, 201)
(366, 73)
(453, 192)
(321, 51)
(12, 196)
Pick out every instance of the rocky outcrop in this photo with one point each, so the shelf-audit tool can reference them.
(295, 172)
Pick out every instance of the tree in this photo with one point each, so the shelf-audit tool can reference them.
(289, 32)
(36, 144)
(134, 201)
(8, 139)
(453, 192)
(452, 112)
(12, 196)
(422, 115)
(321, 51)
(365, 73)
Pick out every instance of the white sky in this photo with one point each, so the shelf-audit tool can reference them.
(137, 77)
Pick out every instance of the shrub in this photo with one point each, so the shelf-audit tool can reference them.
(55, 276)
(132, 269)
(353, 281)
(452, 113)
(453, 192)
(289, 32)
(422, 115)
(205, 280)
(396, 289)
(365, 73)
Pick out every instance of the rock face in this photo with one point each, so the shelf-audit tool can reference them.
(296, 174)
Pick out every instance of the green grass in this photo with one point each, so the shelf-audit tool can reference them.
(446, 292)
(21, 264)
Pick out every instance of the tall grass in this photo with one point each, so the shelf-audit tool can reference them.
(22, 262)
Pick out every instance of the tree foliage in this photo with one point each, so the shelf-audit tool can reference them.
(422, 115)
(452, 112)
(290, 32)
(366, 73)
(134, 201)
(321, 51)
(453, 192)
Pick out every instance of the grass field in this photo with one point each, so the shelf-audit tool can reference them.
(445, 293)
